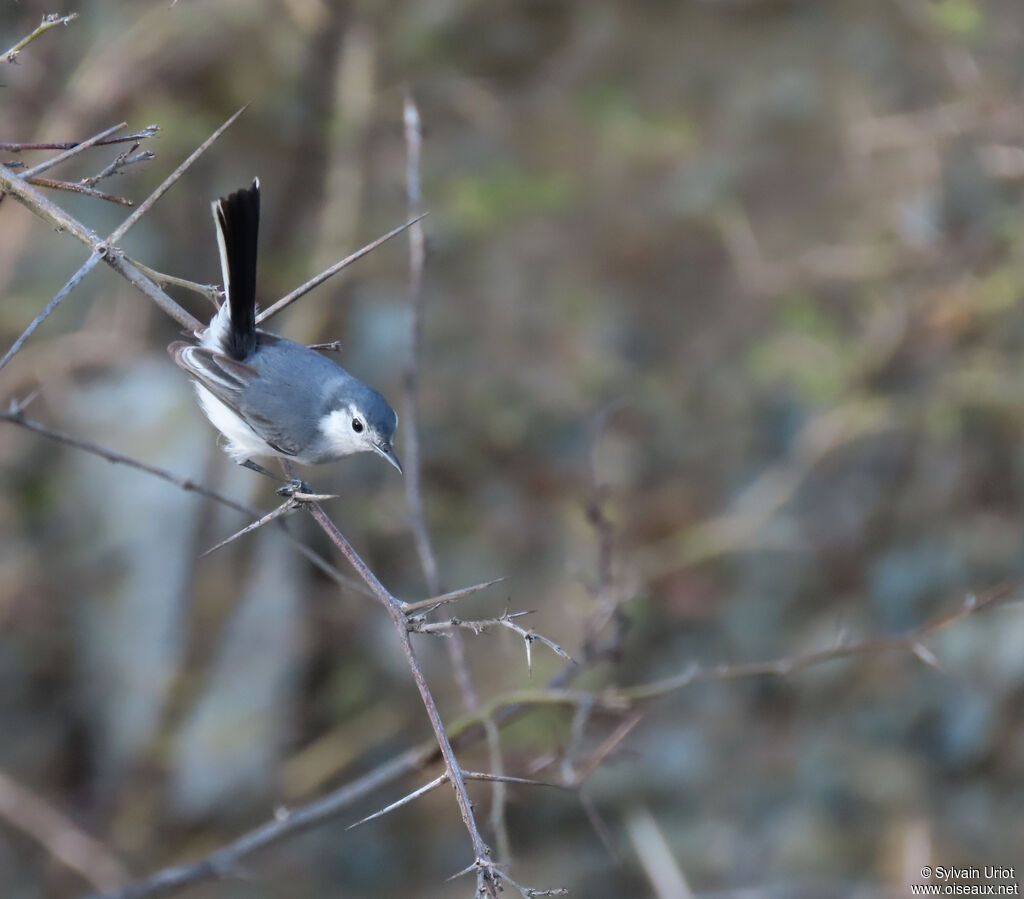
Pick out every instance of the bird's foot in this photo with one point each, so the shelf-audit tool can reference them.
(293, 487)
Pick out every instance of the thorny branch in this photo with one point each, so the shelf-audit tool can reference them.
(106, 250)
(486, 882)
(15, 414)
(413, 462)
(469, 729)
(480, 625)
(504, 709)
(23, 146)
(49, 21)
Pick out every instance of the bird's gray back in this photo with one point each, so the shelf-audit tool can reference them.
(295, 388)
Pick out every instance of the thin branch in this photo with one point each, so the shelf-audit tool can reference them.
(210, 291)
(48, 309)
(481, 852)
(413, 129)
(293, 502)
(54, 161)
(106, 249)
(479, 625)
(405, 800)
(417, 256)
(76, 188)
(49, 21)
(171, 179)
(429, 605)
(316, 281)
(285, 508)
(59, 219)
(443, 779)
(60, 836)
(911, 641)
(122, 161)
(284, 824)
(467, 731)
(15, 415)
(21, 146)
(530, 892)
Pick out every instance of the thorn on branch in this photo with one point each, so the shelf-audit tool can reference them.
(479, 625)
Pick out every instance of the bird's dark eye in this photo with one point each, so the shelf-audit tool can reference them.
(357, 426)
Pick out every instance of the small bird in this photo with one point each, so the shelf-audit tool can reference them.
(267, 395)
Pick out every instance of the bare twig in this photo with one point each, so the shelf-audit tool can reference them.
(482, 854)
(76, 188)
(284, 824)
(479, 625)
(316, 281)
(48, 309)
(104, 249)
(530, 892)
(285, 508)
(49, 21)
(23, 146)
(417, 255)
(504, 709)
(405, 800)
(293, 502)
(60, 836)
(428, 605)
(443, 779)
(413, 462)
(15, 415)
(120, 162)
(210, 291)
(54, 161)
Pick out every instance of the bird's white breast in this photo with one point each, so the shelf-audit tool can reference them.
(242, 442)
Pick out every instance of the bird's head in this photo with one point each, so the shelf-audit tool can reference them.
(361, 421)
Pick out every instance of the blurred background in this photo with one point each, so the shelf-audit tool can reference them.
(744, 273)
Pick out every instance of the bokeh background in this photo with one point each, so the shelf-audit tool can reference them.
(753, 267)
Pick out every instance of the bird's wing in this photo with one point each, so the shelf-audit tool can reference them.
(228, 379)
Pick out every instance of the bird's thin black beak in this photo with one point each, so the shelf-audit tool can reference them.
(385, 450)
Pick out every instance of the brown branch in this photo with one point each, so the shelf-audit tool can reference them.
(22, 146)
(18, 187)
(48, 309)
(210, 291)
(76, 188)
(413, 462)
(479, 625)
(284, 824)
(443, 779)
(429, 605)
(117, 166)
(14, 414)
(49, 21)
(54, 161)
(59, 836)
(504, 709)
(486, 883)
(417, 256)
(317, 280)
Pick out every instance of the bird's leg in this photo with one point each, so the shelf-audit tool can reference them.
(290, 488)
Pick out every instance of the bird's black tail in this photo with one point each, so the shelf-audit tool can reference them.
(238, 225)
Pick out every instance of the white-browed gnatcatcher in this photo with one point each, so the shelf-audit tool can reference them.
(267, 395)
